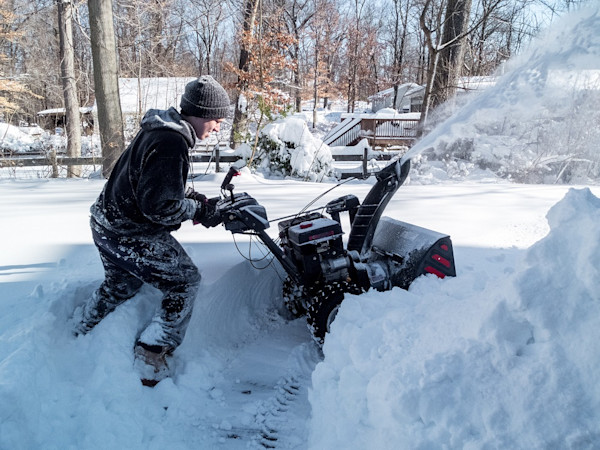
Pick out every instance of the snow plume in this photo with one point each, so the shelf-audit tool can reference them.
(539, 122)
(287, 147)
(509, 364)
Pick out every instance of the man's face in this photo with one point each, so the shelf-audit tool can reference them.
(203, 127)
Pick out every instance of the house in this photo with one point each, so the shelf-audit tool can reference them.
(410, 95)
(384, 128)
(405, 100)
(54, 119)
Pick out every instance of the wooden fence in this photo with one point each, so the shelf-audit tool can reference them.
(216, 157)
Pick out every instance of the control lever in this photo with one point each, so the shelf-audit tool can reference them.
(226, 185)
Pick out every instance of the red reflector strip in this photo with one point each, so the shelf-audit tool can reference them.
(444, 247)
(321, 235)
(441, 260)
(434, 271)
(305, 225)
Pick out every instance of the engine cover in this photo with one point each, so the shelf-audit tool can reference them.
(315, 231)
(317, 249)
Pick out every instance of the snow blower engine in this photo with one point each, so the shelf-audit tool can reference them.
(381, 252)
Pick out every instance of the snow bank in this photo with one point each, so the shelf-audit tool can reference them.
(484, 360)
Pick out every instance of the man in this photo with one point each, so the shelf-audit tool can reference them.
(144, 200)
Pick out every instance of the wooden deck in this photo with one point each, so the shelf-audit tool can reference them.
(379, 132)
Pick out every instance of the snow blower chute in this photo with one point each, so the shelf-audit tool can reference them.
(381, 252)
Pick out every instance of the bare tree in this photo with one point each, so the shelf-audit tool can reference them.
(149, 37)
(67, 68)
(354, 45)
(204, 28)
(400, 15)
(297, 14)
(248, 26)
(106, 80)
(27, 83)
(451, 56)
(326, 39)
(362, 47)
(444, 33)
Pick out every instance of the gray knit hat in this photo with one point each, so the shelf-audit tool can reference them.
(205, 98)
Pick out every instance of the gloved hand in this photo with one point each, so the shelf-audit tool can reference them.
(211, 217)
(206, 211)
(190, 193)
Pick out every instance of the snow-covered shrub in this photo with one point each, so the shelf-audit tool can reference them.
(13, 140)
(287, 148)
(16, 141)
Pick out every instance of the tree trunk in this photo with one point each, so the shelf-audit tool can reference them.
(67, 68)
(106, 80)
(451, 56)
(316, 83)
(297, 83)
(240, 117)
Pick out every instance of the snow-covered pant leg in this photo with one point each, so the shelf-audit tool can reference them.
(168, 327)
(118, 286)
(160, 261)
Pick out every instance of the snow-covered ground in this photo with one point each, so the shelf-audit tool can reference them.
(502, 355)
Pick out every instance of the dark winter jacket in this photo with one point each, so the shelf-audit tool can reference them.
(146, 189)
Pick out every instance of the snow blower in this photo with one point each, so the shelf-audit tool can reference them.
(381, 252)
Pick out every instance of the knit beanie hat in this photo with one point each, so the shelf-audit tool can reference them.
(205, 98)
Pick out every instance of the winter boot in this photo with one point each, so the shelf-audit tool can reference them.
(152, 362)
(153, 351)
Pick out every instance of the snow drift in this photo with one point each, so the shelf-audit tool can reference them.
(509, 364)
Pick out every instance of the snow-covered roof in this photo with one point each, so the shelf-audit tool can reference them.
(385, 113)
(408, 88)
(48, 112)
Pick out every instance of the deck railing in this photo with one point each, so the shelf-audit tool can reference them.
(377, 131)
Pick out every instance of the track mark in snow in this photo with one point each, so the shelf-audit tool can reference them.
(266, 384)
(274, 414)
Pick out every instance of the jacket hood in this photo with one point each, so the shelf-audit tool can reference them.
(170, 119)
